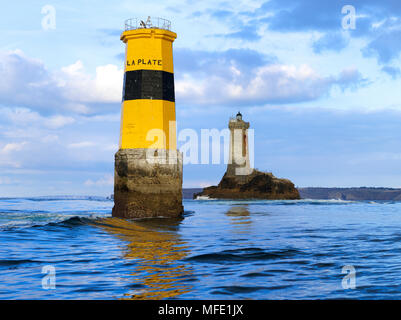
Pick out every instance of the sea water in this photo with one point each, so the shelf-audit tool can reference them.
(71, 248)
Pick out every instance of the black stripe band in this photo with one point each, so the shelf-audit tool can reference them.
(148, 84)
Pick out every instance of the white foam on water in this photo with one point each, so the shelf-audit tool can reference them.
(204, 198)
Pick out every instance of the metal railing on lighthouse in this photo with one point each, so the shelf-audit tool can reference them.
(157, 23)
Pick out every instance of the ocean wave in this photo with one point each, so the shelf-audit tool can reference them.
(71, 222)
(246, 254)
(10, 262)
(229, 290)
(45, 220)
(279, 250)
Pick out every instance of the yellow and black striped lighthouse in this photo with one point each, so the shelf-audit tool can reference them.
(148, 166)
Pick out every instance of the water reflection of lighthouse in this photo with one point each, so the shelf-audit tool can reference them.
(240, 218)
(160, 272)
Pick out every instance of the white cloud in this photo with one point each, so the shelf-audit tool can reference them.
(5, 180)
(83, 144)
(79, 86)
(8, 152)
(88, 144)
(11, 147)
(106, 180)
(111, 147)
(50, 138)
(58, 121)
(73, 90)
(31, 85)
(276, 83)
(73, 69)
(110, 117)
(26, 117)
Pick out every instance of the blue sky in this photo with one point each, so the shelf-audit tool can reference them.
(324, 102)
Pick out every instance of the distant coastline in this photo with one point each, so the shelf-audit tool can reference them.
(360, 193)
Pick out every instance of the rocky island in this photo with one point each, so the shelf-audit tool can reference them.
(241, 181)
(257, 185)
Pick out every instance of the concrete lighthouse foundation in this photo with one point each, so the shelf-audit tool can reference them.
(147, 183)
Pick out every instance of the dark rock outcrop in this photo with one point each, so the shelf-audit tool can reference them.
(257, 185)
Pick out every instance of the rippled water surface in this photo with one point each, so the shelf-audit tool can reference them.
(219, 250)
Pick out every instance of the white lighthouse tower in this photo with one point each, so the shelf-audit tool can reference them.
(238, 164)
